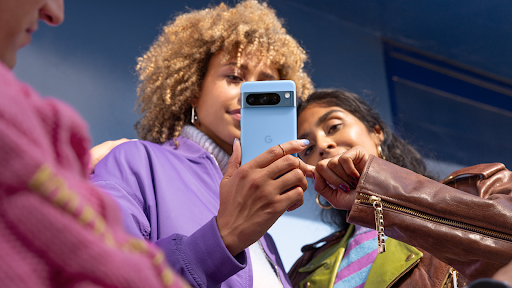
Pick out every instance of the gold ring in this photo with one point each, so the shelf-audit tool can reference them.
(284, 152)
(322, 205)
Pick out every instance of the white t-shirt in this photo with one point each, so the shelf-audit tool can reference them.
(263, 275)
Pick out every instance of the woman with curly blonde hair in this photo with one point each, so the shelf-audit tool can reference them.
(179, 188)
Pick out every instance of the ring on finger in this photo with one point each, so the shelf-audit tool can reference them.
(299, 167)
(325, 207)
(284, 152)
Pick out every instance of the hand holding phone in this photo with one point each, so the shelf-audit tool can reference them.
(255, 195)
(251, 196)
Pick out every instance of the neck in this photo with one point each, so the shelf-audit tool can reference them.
(226, 147)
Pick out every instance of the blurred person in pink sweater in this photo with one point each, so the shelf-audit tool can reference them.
(56, 229)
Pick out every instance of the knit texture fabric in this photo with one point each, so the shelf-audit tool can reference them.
(192, 133)
(358, 259)
(56, 228)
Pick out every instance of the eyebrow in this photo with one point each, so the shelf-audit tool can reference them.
(244, 67)
(321, 120)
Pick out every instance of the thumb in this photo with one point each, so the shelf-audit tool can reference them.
(234, 160)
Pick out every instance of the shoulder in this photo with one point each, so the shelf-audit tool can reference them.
(136, 149)
(128, 156)
(143, 157)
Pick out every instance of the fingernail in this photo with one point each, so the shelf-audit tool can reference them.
(344, 187)
(313, 172)
(353, 185)
(234, 142)
(355, 178)
(305, 142)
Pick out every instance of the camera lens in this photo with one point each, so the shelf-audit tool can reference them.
(276, 99)
(250, 100)
(264, 99)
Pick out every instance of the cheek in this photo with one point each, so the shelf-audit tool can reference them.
(312, 160)
(360, 137)
(370, 145)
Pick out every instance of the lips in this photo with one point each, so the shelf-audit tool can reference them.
(235, 113)
(32, 28)
(26, 40)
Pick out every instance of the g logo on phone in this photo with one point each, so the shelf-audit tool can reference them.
(268, 139)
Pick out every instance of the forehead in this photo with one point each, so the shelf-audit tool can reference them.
(247, 61)
(315, 115)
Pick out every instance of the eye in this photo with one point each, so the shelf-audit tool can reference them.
(333, 128)
(308, 150)
(234, 78)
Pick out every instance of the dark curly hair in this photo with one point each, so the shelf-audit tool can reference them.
(394, 148)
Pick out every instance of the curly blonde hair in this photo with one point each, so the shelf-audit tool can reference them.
(172, 71)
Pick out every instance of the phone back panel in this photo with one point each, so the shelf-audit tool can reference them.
(267, 125)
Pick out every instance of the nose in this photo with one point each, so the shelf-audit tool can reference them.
(325, 147)
(52, 12)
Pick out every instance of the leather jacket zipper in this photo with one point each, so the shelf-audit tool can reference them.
(368, 199)
(276, 269)
(451, 279)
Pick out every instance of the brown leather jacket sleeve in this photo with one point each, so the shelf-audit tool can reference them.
(471, 230)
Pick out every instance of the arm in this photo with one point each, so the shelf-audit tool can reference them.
(125, 173)
(196, 258)
(202, 258)
(471, 232)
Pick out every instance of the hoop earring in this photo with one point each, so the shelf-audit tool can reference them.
(325, 207)
(379, 150)
(193, 119)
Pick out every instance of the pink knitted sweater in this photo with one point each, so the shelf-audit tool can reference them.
(56, 229)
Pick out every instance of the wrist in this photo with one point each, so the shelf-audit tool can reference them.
(230, 241)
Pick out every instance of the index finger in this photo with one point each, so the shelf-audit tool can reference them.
(273, 153)
(306, 168)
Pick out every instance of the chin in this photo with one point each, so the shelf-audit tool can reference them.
(231, 134)
(9, 61)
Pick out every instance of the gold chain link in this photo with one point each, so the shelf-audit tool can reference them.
(379, 223)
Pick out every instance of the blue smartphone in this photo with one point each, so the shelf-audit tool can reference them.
(269, 116)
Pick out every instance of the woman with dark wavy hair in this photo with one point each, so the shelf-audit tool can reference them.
(376, 181)
(395, 149)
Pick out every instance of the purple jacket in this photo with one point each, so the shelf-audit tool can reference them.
(171, 197)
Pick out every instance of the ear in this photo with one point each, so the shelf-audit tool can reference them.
(378, 135)
(194, 100)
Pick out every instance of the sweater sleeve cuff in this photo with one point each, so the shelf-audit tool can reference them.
(200, 256)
